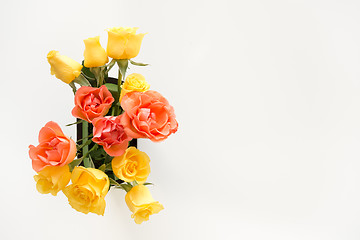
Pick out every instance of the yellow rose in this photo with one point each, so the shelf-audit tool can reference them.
(64, 68)
(141, 203)
(94, 54)
(134, 83)
(88, 190)
(132, 165)
(123, 43)
(52, 179)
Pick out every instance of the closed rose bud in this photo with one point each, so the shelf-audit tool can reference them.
(133, 165)
(94, 54)
(52, 179)
(63, 67)
(135, 82)
(141, 203)
(123, 43)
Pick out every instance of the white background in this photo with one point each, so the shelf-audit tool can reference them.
(267, 95)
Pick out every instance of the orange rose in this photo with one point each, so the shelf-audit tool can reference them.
(109, 133)
(148, 115)
(54, 149)
(92, 102)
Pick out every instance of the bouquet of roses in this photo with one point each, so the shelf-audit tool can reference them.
(111, 114)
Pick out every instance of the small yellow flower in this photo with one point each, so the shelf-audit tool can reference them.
(133, 165)
(141, 203)
(123, 43)
(134, 83)
(64, 68)
(94, 54)
(52, 179)
(88, 190)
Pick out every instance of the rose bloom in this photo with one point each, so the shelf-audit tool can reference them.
(134, 82)
(141, 203)
(52, 179)
(63, 67)
(88, 190)
(123, 43)
(94, 54)
(92, 102)
(109, 133)
(148, 115)
(133, 165)
(54, 149)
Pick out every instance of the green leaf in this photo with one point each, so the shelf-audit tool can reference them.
(123, 186)
(108, 158)
(123, 65)
(84, 144)
(92, 165)
(102, 167)
(109, 167)
(89, 136)
(82, 81)
(138, 64)
(70, 124)
(113, 88)
(75, 163)
(73, 87)
(87, 71)
(148, 183)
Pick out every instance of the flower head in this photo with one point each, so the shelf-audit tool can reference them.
(94, 54)
(109, 133)
(63, 67)
(123, 43)
(92, 102)
(148, 115)
(88, 190)
(54, 149)
(141, 203)
(52, 179)
(133, 165)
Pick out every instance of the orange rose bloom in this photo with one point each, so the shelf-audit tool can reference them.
(92, 102)
(148, 115)
(54, 149)
(109, 133)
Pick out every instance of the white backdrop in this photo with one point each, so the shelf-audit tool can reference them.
(267, 95)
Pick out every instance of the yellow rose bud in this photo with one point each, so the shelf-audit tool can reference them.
(123, 43)
(88, 190)
(134, 83)
(141, 203)
(94, 54)
(133, 165)
(64, 68)
(52, 179)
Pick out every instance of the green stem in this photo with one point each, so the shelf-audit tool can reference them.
(120, 77)
(85, 132)
(110, 65)
(89, 136)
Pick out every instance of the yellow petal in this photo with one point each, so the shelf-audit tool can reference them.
(94, 54)
(63, 67)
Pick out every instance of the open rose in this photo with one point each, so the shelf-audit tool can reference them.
(88, 190)
(92, 102)
(148, 115)
(109, 133)
(54, 149)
